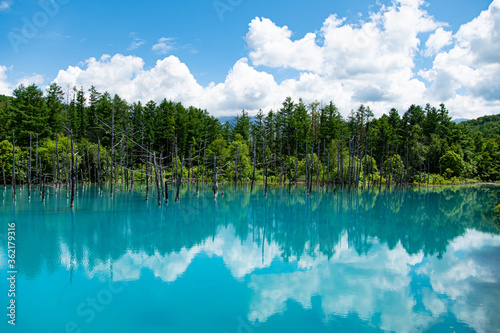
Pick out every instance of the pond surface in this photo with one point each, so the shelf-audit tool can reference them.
(404, 261)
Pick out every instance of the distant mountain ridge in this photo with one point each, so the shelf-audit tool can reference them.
(489, 126)
(232, 119)
(225, 119)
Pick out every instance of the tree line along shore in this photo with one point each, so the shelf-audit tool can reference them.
(85, 136)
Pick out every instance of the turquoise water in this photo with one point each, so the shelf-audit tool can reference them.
(402, 261)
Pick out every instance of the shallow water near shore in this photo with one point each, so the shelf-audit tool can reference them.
(408, 260)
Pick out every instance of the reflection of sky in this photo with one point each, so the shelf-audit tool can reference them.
(241, 257)
(471, 279)
(347, 283)
(378, 287)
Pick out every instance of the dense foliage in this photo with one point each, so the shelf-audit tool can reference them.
(488, 126)
(421, 144)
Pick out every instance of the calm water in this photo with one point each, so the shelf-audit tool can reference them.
(402, 261)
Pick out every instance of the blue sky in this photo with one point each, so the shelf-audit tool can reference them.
(202, 42)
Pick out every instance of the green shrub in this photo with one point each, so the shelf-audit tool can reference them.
(452, 162)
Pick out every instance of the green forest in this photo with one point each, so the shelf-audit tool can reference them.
(116, 141)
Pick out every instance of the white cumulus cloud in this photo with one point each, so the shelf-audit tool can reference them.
(32, 79)
(4, 85)
(472, 64)
(244, 87)
(370, 62)
(271, 46)
(439, 39)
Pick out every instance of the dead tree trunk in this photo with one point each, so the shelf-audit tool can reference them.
(179, 181)
(371, 164)
(4, 183)
(72, 172)
(166, 191)
(334, 182)
(99, 172)
(198, 172)
(122, 165)
(131, 165)
(349, 168)
(175, 149)
(28, 171)
(254, 162)
(43, 188)
(160, 166)
(204, 160)
(265, 167)
(76, 172)
(53, 167)
(21, 166)
(359, 164)
(365, 170)
(88, 165)
(388, 172)
(57, 161)
(310, 170)
(112, 146)
(407, 165)
(327, 172)
(420, 165)
(290, 171)
(307, 168)
(37, 165)
(13, 166)
(147, 177)
(296, 162)
(381, 173)
(318, 165)
(341, 164)
(67, 174)
(156, 180)
(281, 166)
(82, 170)
(324, 154)
(236, 167)
(215, 186)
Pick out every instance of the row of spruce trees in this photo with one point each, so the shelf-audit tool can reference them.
(104, 139)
